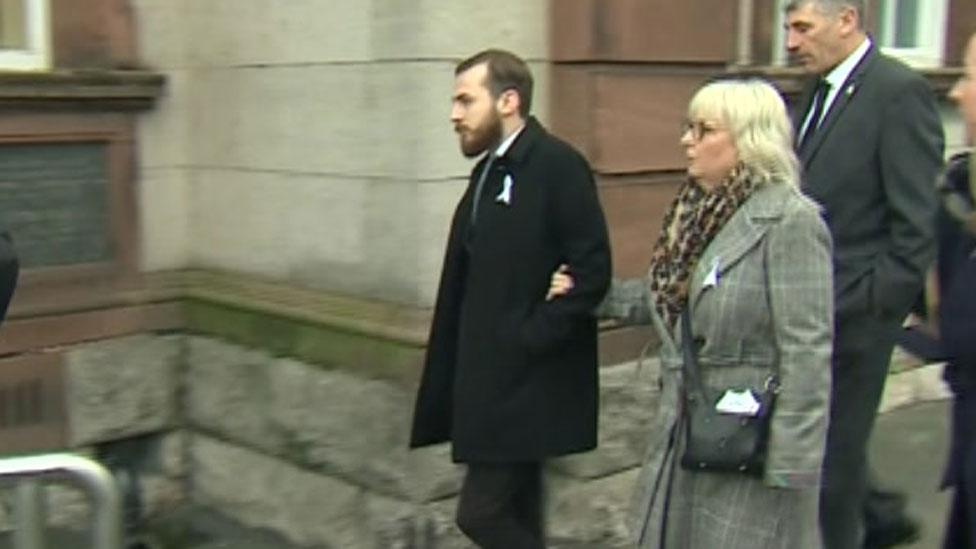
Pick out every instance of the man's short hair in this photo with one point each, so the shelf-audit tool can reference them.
(831, 6)
(506, 71)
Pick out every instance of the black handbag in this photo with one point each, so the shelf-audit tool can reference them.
(716, 441)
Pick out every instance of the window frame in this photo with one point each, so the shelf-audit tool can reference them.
(37, 55)
(932, 27)
(778, 49)
(930, 50)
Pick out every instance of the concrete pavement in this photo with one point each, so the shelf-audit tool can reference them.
(910, 443)
(908, 450)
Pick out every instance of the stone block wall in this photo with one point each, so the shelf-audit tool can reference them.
(316, 455)
(324, 454)
(122, 405)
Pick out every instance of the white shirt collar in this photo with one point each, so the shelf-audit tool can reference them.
(507, 143)
(836, 79)
(841, 72)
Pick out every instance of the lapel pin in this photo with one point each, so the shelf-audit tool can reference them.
(711, 279)
(506, 195)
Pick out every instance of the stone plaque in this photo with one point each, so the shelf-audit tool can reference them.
(54, 202)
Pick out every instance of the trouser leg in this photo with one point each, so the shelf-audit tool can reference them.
(500, 505)
(860, 367)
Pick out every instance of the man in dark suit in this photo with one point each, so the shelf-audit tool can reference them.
(511, 378)
(870, 141)
(9, 270)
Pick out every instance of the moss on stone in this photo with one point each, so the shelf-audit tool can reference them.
(315, 343)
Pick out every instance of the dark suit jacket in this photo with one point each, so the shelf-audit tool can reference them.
(872, 164)
(509, 376)
(9, 270)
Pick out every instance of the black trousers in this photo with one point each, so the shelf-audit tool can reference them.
(862, 353)
(882, 504)
(961, 477)
(961, 527)
(501, 505)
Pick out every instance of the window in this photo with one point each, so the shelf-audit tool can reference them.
(24, 35)
(911, 30)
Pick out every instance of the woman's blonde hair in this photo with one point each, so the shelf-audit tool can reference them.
(754, 113)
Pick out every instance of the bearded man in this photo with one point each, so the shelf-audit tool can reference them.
(510, 378)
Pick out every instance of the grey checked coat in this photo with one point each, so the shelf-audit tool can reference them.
(771, 310)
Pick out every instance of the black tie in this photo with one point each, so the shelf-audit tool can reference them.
(478, 188)
(819, 99)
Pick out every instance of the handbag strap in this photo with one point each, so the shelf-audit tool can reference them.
(692, 373)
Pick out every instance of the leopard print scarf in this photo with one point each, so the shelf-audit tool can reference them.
(695, 217)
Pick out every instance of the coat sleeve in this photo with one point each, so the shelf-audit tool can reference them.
(957, 319)
(911, 156)
(628, 300)
(580, 232)
(800, 290)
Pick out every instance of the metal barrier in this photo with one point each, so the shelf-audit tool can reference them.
(96, 480)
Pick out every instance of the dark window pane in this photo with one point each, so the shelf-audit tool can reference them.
(54, 202)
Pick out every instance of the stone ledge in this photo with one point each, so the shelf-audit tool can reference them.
(790, 80)
(398, 323)
(317, 343)
(377, 338)
(111, 90)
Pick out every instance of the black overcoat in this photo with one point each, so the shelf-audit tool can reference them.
(508, 376)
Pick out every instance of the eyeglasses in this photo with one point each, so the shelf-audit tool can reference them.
(698, 128)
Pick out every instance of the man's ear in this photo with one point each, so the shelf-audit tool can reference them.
(508, 102)
(849, 20)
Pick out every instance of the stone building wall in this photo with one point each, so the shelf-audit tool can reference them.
(318, 456)
(309, 141)
(325, 455)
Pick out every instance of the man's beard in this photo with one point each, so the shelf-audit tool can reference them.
(477, 140)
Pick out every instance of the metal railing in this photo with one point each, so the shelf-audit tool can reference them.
(96, 480)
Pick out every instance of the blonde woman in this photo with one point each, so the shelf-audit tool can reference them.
(749, 257)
